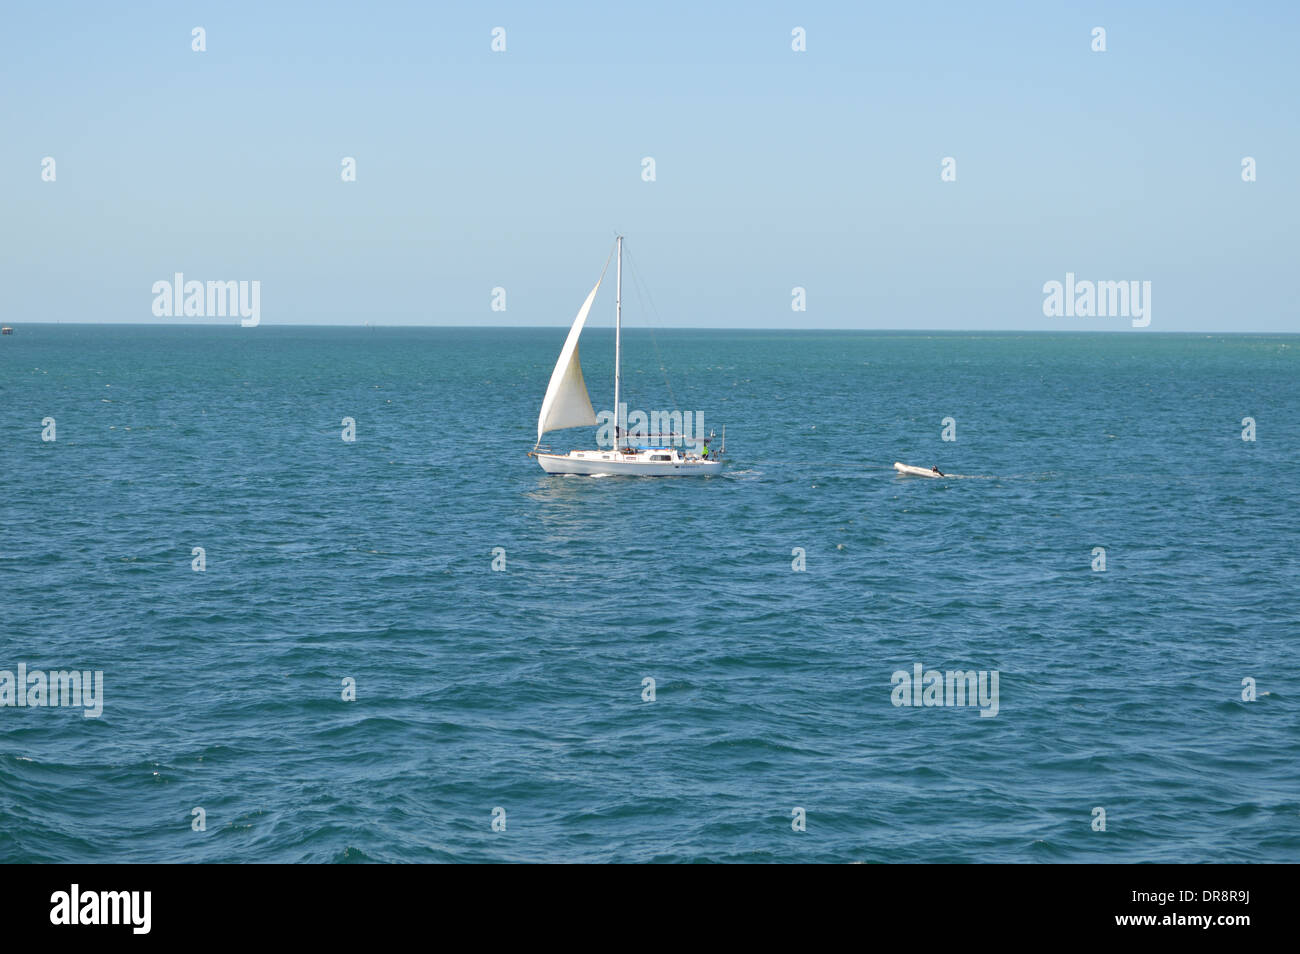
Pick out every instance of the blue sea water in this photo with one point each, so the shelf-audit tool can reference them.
(522, 689)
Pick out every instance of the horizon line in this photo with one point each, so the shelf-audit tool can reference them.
(295, 324)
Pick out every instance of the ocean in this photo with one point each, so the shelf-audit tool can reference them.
(657, 670)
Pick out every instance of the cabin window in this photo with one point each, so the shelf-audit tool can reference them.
(660, 457)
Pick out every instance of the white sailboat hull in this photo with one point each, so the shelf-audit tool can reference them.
(610, 464)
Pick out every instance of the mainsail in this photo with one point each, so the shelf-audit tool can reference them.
(567, 403)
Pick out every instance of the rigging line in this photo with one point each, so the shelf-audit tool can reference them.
(641, 295)
(653, 316)
(605, 267)
(651, 313)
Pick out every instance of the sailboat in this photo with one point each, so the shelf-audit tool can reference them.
(567, 404)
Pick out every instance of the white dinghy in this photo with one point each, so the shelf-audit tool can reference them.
(918, 471)
(567, 404)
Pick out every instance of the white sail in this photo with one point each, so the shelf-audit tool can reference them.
(567, 403)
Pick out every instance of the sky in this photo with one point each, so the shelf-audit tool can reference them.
(774, 169)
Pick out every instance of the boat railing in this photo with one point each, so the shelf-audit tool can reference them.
(667, 439)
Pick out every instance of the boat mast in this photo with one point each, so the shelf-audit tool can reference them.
(618, 337)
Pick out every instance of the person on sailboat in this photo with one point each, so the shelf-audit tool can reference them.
(936, 469)
(706, 449)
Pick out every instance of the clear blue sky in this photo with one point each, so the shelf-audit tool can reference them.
(774, 168)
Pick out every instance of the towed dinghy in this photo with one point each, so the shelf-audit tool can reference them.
(917, 471)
